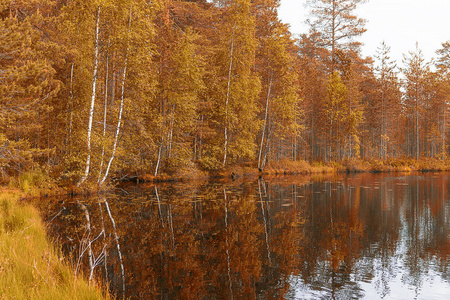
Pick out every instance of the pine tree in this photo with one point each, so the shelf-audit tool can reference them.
(337, 24)
(28, 85)
(415, 73)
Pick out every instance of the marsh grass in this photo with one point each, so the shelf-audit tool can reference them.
(35, 182)
(30, 267)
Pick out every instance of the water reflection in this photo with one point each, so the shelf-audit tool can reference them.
(341, 237)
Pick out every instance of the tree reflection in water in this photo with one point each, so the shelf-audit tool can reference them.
(335, 237)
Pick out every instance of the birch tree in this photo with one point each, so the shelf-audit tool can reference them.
(92, 106)
(233, 88)
(279, 100)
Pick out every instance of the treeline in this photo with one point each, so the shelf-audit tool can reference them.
(99, 87)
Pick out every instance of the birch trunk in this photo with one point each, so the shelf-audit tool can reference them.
(119, 121)
(91, 111)
(265, 124)
(71, 107)
(105, 109)
(159, 158)
(170, 137)
(225, 147)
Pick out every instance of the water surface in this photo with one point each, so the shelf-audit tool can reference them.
(359, 236)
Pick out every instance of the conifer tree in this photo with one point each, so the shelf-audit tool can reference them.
(337, 24)
(415, 72)
(28, 85)
(388, 97)
(443, 66)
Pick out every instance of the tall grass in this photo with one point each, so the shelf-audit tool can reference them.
(30, 267)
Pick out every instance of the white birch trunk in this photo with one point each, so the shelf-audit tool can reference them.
(265, 124)
(159, 158)
(264, 160)
(225, 147)
(105, 109)
(71, 107)
(120, 111)
(170, 137)
(91, 111)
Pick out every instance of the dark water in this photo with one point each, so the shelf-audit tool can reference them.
(339, 237)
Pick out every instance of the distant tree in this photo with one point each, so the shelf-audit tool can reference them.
(337, 24)
(388, 98)
(443, 66)
(313, 80)
(415, 72)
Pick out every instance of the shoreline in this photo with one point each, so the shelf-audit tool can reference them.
(31, 266)
(305, 168)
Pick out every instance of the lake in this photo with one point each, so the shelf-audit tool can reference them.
(357, 236)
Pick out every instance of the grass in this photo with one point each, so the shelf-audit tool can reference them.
(30, 267)
(34, 183)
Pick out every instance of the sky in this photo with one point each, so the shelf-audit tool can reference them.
(400, 23)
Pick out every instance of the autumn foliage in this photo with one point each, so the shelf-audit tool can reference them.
(96, 89)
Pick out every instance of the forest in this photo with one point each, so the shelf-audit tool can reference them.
(98, 89)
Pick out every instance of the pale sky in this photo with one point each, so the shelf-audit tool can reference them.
(400, 23)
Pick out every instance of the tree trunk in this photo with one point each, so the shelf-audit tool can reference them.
(105, 109)
(170, 135)
(71, 108)
(119, 121)
(159, 158)
(225, 147)
(91, 111)
(265, 123)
